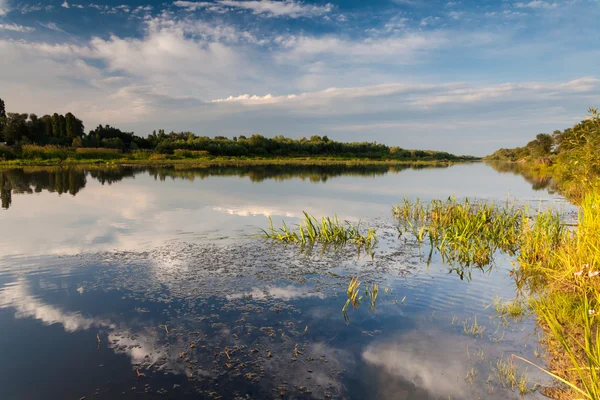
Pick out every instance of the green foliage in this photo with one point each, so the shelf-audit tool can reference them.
(6, 153)
(44, 152)
(328, 231)
(465, 233)
(97, 154)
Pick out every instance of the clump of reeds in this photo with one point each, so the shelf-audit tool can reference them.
(558, 265)
(465, 233)
(355, 300)
(327, 231)
(514, 309)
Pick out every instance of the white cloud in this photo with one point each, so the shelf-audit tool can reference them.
(427, 21)
(269, 8)
(53, 27)
(427, 95)
(65, 4)
(456, 14)
(402, 49)
(537, 4)
(193, 5)
(16, 28)
(4, 7)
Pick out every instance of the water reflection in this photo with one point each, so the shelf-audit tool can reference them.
(160, 266)
(73, 179)
(538, 181)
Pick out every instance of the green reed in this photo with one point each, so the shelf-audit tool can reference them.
(327, 231)
(465, 233)
(558, 265)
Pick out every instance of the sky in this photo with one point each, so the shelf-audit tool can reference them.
(466, 76)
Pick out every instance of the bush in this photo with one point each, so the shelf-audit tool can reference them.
(140, 154)
(182, 153)
(31, 152)
(97, 153)
(6, 153)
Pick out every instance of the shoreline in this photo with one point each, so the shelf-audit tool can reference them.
(231, 161)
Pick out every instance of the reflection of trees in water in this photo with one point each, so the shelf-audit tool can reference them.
(72, 180)
(21, 181)
(314, 173)
(538, 181)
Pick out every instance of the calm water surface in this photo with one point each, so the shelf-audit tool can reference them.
(150, 283)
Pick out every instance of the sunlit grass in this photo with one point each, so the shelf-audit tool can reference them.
(327, 231)
(558, 265)
(464, 233)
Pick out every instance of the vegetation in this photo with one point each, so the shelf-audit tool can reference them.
(61, 137)
(328, 231)
(556, 265)
(464, 233)
(571, 157)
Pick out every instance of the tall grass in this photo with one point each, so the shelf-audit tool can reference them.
(327, 231)
(558, 266)
(464, 233)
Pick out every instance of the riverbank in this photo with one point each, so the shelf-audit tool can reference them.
(230, 161)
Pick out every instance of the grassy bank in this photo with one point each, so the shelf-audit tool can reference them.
(556, 265)
(226, 161)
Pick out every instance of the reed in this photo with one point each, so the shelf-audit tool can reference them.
(464, 233)
(327, 231)
(558, 265)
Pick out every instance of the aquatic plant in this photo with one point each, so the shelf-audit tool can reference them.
(513, 309)
(557, 264)
(355, 300)
(465, 233)
(327, 231)
(473, 328)
(511, 376)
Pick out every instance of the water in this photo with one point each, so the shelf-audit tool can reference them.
(150, 282)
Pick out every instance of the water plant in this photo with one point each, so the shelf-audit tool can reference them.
(327, 231)
(473, 328)
(465, 233)
(515, 309)
(556, 264)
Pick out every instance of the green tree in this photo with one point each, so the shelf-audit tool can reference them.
(16, 128)
(2, 119)
(55, 125)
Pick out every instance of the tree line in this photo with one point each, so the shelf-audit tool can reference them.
(578, 142)
(571, 156)
(19, 129)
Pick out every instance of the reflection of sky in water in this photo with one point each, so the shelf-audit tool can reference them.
(131, 260)
(141, 211)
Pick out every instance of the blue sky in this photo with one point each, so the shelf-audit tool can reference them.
(462, 76)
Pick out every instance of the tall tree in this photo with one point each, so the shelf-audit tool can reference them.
(2, 119)
(63, 126)
(55, 125)
(16, 128)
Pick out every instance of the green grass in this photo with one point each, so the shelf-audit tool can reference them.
(558, 266)
(513, 309)
(144, 158)
(465, 233)
(472, 327)
(328, 231)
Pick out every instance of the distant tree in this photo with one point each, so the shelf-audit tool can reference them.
(55, 125)
(47, 120)
(15, 128)
(63, 126)
(2, 119)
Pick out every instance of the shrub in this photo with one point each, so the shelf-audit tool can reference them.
(97, 153)
(6, 153)
(183, 153)
(30, 151)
